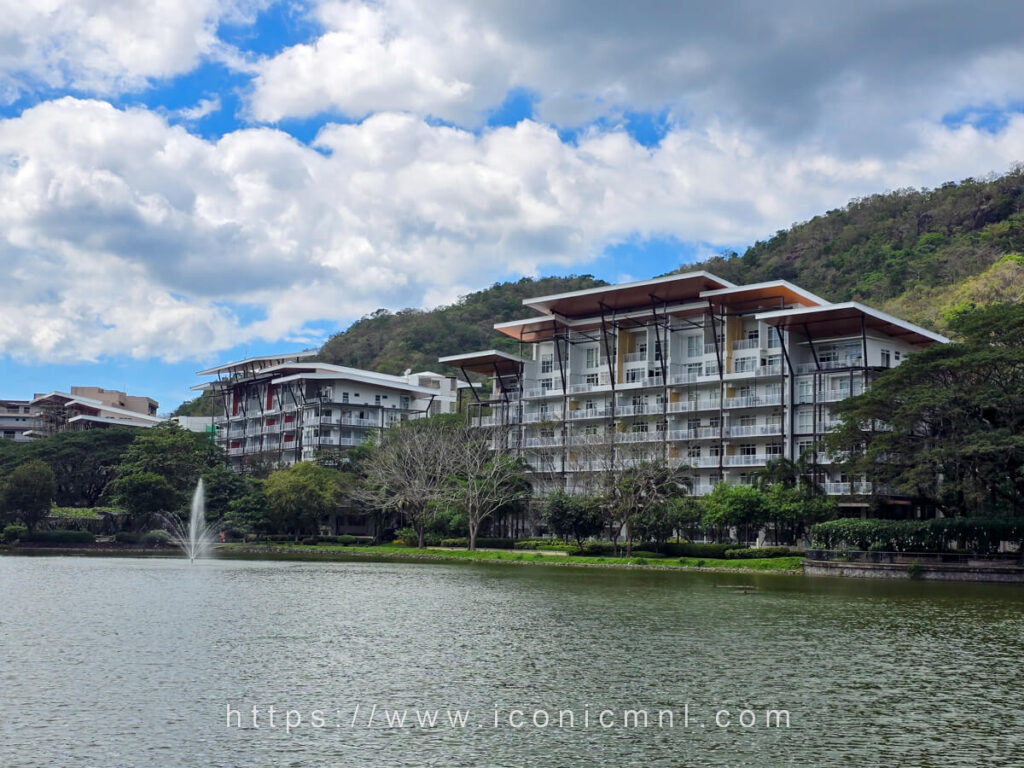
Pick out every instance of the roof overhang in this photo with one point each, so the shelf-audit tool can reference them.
(384, 383)
(488, 362)
(115, 421)
(849, 319)
(625, 296)
(249, 362)
(775, 294)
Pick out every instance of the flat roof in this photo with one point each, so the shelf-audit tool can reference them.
(845, 319)
(242, 364)
(486, 361)
(96, 405)
(116, 422)
(389, 383)
(589, 301)
(764, 295)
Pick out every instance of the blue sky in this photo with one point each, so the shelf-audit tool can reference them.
(186, 184)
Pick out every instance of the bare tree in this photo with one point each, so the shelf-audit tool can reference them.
(485, 480)
(408, 469)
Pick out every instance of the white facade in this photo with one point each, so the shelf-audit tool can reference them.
(280, 410)
(16, 418)
(690, 369)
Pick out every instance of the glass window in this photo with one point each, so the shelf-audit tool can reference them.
(694, 346)
(592, 358)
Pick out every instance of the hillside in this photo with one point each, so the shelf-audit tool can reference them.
(390, 342)
(915, 253)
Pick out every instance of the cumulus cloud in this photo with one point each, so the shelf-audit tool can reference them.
(853, 77)
(123, 234)
(108, 46)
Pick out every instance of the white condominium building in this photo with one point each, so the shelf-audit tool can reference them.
(280, 409)
(688, 368)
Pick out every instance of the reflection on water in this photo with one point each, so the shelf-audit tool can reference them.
(122, 662)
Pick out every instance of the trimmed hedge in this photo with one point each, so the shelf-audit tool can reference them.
(58, 537)
(690, 549)
(553, 544)
(751, 553)
(13, 532)
(978, 535)
(482, 542)
(598, 548)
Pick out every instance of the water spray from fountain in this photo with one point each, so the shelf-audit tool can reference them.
(195, 539)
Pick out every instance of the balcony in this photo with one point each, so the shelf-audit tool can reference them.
(552, 391)
(686, 377)
(700, 433)
(543, 442)
(753, 401)
(635, 357)
(830, 365)
(753, 430)
(746, 344)
(689, 406)
(590, 413)
(748, 460)
(588, 439)
(699, 462)
(847, 489)
(539, 416)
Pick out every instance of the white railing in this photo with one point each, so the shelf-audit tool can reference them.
(752, 401)
(635, 357)
(687, 377)
(830, 365)
(710, 349)
(587, 439)
(753, 430)
(846, 489)
(701, 461)
(751, 460)
(701, 490)
(542, 442)
(768, 370)
(746, 344)
(700, 433)
(590, 413)
(553, 391)
(688, 406)
(639, 437)
(536, 416)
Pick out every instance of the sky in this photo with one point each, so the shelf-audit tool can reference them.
(184, 182)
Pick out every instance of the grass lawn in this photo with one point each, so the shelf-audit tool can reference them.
(329, 551)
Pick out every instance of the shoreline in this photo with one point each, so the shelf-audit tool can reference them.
(378, 554)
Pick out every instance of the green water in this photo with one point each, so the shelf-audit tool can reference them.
(125, 662)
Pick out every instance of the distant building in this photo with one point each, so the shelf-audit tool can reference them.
(17, 417)
(91, 408)
(277, 410)
(205, 424)
(687, 368)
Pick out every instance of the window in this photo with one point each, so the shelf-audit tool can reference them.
(772, 361)
(694, 346)
(751, 334)
(344, 397)
(590, 405)
(641, 345)
(828, 354)
(804, 447)
(546, 384)
(657, 350)
(748, 421)
(773, 449)
(592, 379)
(692, 424)
(546, 363)
(804, 391)
(805, 420)
(886, 358)
(744, 391)
(693, 452)
(715, 450)
(404, 401)
(897, 354)
(743, 364)
(748, 449)
(376, 399)
(592, 357)
(693, 370)
(634, 374)
(591, 430)
(774, 340)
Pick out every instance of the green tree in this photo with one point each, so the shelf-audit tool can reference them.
(179, 456)
(742, 506)
(299, 496)
(144, 495)
(649, 483)
(28, 493)
(577, 516)
(947, 426)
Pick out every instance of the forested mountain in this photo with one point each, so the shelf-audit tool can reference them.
(390, 342)
(915, 253)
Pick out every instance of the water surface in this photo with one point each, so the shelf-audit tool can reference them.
(134, 662)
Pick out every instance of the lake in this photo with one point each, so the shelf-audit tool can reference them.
(112, 662)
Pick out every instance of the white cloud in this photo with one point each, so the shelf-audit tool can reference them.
(108, 46)
(122, 234)
(203, 108)
(852, 79)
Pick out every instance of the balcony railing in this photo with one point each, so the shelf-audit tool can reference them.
(746, 344)
(635, 357)
(590, 413)
(830, 365)
(847, 489)
(700, 433)
(699, 462)
(543, 442)
(753, 430)
(752, 401)
(749, 460)
(688, 406)
(538, 416)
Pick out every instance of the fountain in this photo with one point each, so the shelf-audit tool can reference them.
(195, 539)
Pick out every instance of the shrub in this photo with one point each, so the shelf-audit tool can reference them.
(553, 544)
(345, 540)
(309, 541)
(459, 542)
(689, 549)
(754, 552)
(643, 553)
(127, 537)
(598, 548)
(13, 532)
(156, 538)
(974, 534)
(58, 537)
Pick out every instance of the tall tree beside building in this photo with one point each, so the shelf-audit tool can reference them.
(947, 426)
(301, 495)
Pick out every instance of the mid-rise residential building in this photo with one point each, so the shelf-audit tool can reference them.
(17, 420)
(91, 408)
(688, 368)
(280, 409)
